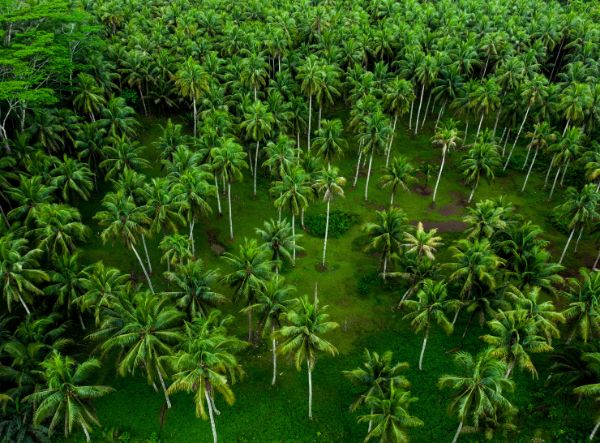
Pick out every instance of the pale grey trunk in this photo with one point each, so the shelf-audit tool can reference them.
(506, 141)
(596, 261)
(530, 168)
(230, 217)
(319, 118)
(210, 414)
(526, 157)
(191, 239)
(195, 115)
(419, 110)
(472, 192)
(562, 256)
(437, 182)
(294, 239)
(578, 239)
(466, 133)
(218, 197)
(554, 183)
(302, 219)
(384, 273)
(274, 344)
(86, 432)
(460, 425)
(549, 170)
(389, 150)
(309, 392)
(516, 138)
(368, 177)
(357, 168)
(566, 127)
(24, 305)
(250, 338)
(496, 122)
(423, 349)
(392, 199)
(562, 178)
(510, 368)
(412, 105)
(326, 232)
(143, 267)
(426, 111)
(309, 120)
(164, 388)
(437, 122)
(479, 125)
(593, 434)
(255, 167)
(456, 316)
(146, 252)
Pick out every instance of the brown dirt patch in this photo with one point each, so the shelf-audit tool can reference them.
(422, 190)
(451, 209)
(213, 240)
(445, 226)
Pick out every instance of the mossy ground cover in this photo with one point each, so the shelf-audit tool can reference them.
(359, 301)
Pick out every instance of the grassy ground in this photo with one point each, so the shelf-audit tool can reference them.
(262, 413)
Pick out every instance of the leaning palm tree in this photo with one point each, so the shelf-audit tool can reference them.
(583, 310)
(278, 237)
(446, 136)
(390, 416)
(399, 174)
(481, 159)
(592, 389)
(398, 94)
(206, 364)
(480, 391)
(386, 234)
(64, 397)
(376, 374)
(142, 328)
(272, 304)
(514, 335)
(303, 337)
(430, 307)
(329, 184)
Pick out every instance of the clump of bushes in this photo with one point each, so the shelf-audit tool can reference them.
(339, 223)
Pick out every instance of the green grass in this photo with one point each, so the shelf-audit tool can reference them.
(360, 303)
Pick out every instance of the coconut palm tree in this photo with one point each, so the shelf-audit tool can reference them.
(194, 190)
(66, 282)
(480, 160)
(64, 397)
(583, 309)
(329, 143)
(272, 304)
(123, 153)
(72, 177)
(312, 76)
(303, 337)
(592, 389)
(192, 81)
(250, 269)
(400, 174)
(430, 307)
(280, 156)
(176, 250)
(385, 235)
(398, 95)
(329, 184)
(488, 219)
(422, 243)
(480, 391)
(143, 329)
(254, 72)
(542, 313)
(278, 237)
(206, 364)
(542, 137)
(373, 134)
(229, 158)
(258, 124)
(57, 228)
(446, 136)
(29, 194)
(102, 287)
(88, 96)
(118, 119)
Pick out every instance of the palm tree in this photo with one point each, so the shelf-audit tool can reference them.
(399, 174)
(488, 219)
(72, 177)
(118, 118)
(303, 337)
(195, 283)
(480, 391)
(446, 137)
(88, 96)
(272, 304)
(192, 81)
(67, 282)
(176, 250)
(122, 154)
(280, 156)
(422, 243)
(258, 123)
(254, 72)
(57, 228)
(143, 329)
(123, 220)
(583, 309)
(195, 190)
(29, 194)
(312, 75)
(206, 364)
(592, 389)
(329, 142)
(64, 397)
(580, 209)
(542, 138)
(229, 158)
(398, 95)
(481, 159)
(278, 237)
(431, 306)
(386, 234)
(329, 184)
(514, 335)
(102, 286)
(374, 133)
(19, 271)
(250, 269)
(390, 416)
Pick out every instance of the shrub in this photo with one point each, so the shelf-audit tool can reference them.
(339, 223)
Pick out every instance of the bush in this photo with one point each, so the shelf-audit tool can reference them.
(339, 223)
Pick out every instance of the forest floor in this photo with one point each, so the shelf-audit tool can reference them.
(359, 301)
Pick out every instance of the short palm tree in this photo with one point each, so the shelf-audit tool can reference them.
(431, 306)
(278, 237)
(329, 184)
(386, 233)
(57, 228)
(592, 389)
(398, 174)
(480, 160)
(303, 337)
(424, 244)
(329, 143)
(583, 309)
(64, 397)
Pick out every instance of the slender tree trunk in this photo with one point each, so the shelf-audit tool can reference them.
(384, 273)
(437, 122)
(87, 433)
(487, 61)
(24, 305)
(309, 392)
(526, 157)
(419, 110)
(212, 403)
(250, 337)
(554, 183)
(218, 197)
(473, 190)
(596, 261)
(255, 167)
(210, 414)
(370, 422)
(426, 111)
(389, 149)
(294, 237)
(392, 198)
(516, 138)
(566, 127)
(496, 122)
(593, 434)
(143, 101)
(357, 168)
(548, 172)
(146, 252)
(81, 321)
(326, 232)
(412, 105)
(562, 256)
(506, 142)
(578, 239)
(164, 388)
(368, 177)
(460, 425)
(529, 170)
(562, 42)
(230, 217)
(456, 316)
(255, 95)
(423, 349)
(466, 133)
(143, 268)
(309, 121)
(479, 125)
(192, 242)
(195, 116)
(562, 178)
(274, 349)
(510, 368)
(319, 119)
(437, 182)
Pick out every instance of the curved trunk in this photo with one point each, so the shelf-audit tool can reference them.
(596, 261)
(86, 432)
(526, 157)
(24, 305)
(516, 138)
(423, 349)
(460, 425)
(562, 178)
(210, 414)
(368, 177)
(437, 122)
(506, 141)
(230, 217)
(466, 133)
(419, 110)
(389, 149)
(510, 368)
(143, 267)
(437, 182)
(164, 388)
(549, 170)
(326, 232)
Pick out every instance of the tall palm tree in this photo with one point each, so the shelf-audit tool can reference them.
(422, 243)
(30, 193)
(250, 269)
(488, 219)
(102, 286)
(254, 72)
(122, 153)
(64, 396)
(229, 158)
(373, 134)
(67, 282)
(480, 160)
(312, 76)
(592, 389)
(280, 156)
(88, 96)
(386, 234)
(303, 337)
(176, 250)
(430, 307)
(480, 391)
(446, 137)
(329, 143)
(397, 98)
(194, 189)
(206, 364)
(542, 313)
(329, 184)
(72, 177)
(192, 81)
(272, 304)
(57, 228)
(118, 119)
(583, 309)
(542, 137)
(400, 174)
(278, 237)
(143, 329)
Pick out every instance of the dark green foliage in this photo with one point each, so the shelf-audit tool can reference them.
(339, 223)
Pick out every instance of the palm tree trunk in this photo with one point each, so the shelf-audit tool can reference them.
(562, 178)
(309, 121)
(437, 122)
(466, 133)
(487, 61)
(392, 199)
(419, 110)
(274, 344)
(255, 167)
(326, 232)
(562, 256)
(554, 183)
(218, 197)
(255, 95)
(147, 256)
(578, 238)
(426, 111)
(384, 273)
(412, 105)
(309, 392)
(510, 368)
(370, 422)
(143, 101)
(479, 125)
(368, 177)
(549, 170)
(496, 122)
(210, 414)
(530, 168)
(389, 149)
(455, 316)
(195, 115)
(526, 157)
(437, 182)
(143, 267)
(250, 338)
(357, 168)
(460, 425)
(191, 238)
(516, 138)
(230, 217)
(81, 321)
(423, 349)
(86, 432)
(302, 219)
(294, 237)
(319, 119)
(593, 434)
(596, 261)
(506, 141)
(24, 305)
(566, 127)
(164, 388)
(472, 192)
